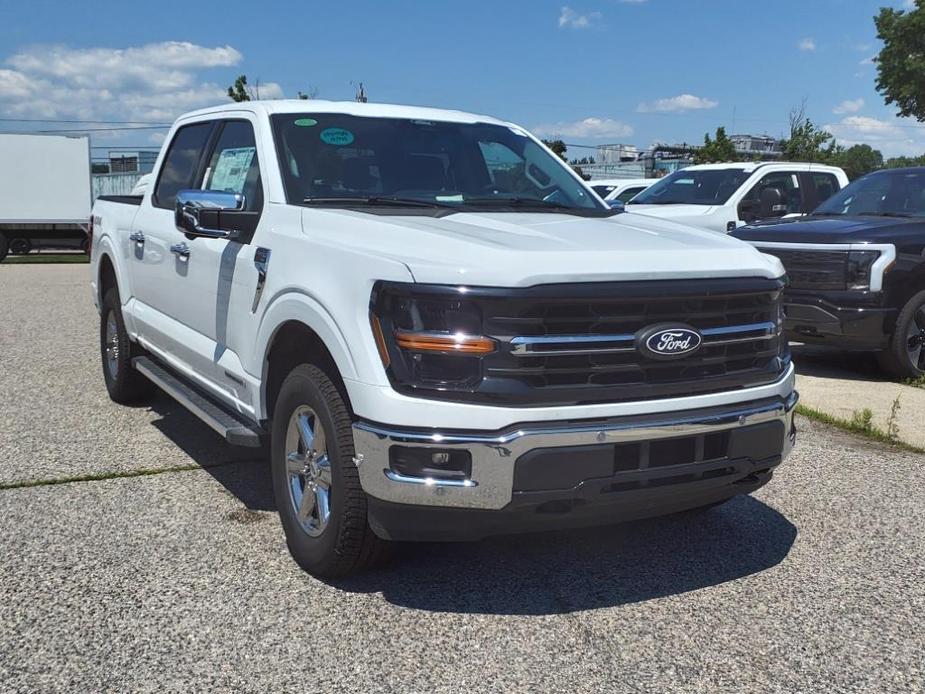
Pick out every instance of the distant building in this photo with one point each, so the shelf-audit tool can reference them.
(761, 146)
(140, 162)
(615, 154)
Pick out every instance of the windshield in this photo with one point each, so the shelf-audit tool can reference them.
(886, 194)
(340, 160)
(697, 187)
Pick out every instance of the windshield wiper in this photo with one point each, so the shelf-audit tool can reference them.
(371, 200)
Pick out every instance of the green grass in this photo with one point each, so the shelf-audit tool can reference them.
(96, 477)
(859, 424)
(44, 258)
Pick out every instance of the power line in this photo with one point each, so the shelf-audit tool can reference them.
(92, 122)
(101, 130)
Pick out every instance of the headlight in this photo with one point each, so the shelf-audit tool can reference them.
(429, 336)
(859, 265)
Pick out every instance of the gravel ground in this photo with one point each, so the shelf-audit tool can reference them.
(181, 581)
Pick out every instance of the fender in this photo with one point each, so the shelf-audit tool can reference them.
(294, 305)
(106, 247)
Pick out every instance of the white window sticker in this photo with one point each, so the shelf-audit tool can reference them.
(231, 170)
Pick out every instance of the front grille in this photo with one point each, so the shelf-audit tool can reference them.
(577, 345)
(813, 269)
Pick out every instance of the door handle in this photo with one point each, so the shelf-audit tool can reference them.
(181, 249)
(138, 237)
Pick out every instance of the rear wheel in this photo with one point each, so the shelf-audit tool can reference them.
(905, 357)
(20, 247)
(321, 504)
(124, 384)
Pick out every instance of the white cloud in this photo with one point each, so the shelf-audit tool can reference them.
(849, 106)
(807, 44)
(909, 4)
(893, 138)
(868, 61)
(155, 82)
(589, 127)
(570, 19)
(680, 103)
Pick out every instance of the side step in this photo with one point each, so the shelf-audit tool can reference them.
(234, 428)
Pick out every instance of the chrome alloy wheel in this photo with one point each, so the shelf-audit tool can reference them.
(112, 345)
(915, 339)
(308, 469)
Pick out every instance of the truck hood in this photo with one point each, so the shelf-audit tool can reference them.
(671, 211)
(836, 229)
(525, 249)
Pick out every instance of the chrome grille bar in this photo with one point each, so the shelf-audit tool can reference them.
(566, 345)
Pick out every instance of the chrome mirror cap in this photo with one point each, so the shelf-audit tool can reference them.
(196, 212)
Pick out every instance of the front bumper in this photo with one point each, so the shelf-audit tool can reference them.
(826, 320)
(533, 475)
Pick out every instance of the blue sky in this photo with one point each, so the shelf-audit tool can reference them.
(591, 71)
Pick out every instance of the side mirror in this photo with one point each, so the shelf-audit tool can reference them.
(771, 203)
(199, 213)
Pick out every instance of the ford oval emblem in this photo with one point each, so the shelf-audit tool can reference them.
(668, 341)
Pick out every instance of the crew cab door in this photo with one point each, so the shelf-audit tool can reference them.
(776, 194)
(192, 288)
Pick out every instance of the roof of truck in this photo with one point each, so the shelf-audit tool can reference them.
(755, 165)
(351, 108)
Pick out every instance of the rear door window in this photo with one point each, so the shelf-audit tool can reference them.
(182, 163)
(821, 186)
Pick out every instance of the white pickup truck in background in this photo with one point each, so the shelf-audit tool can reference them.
(440, 329)
(722, 197)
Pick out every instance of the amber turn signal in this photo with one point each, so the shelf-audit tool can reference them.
(445, 344)
(380, 340)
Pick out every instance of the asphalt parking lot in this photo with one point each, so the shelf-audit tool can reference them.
(179, 579)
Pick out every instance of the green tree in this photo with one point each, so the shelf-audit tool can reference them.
(557, 146)
(858, 160)
(239, 90)
(904, 162)
(807, 141)
(715, 150)
(901, 62)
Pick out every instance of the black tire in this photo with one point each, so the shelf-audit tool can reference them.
(4, 247)
(124, 384)
(344, 543)
(905, 356)
(20, 246)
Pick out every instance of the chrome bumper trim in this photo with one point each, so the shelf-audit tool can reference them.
(494, 454)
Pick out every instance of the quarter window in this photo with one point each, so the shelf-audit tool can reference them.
(181, 165)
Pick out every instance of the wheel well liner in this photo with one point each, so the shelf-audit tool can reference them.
(107, 276)
(292, 344)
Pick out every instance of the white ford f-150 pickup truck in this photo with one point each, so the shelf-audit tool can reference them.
(441, 331)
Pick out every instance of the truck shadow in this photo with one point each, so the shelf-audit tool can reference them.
(537, 574)
(243, 472)
(573, 571)
(830, 363)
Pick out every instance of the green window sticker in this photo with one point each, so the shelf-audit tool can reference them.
(306, 122)
(336, 136)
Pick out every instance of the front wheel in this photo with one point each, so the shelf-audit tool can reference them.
(124, 384)
(321, 505)
(905, 356)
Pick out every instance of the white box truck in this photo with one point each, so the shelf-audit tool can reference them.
(44, 192)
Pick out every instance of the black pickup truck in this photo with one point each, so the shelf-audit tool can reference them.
(856, 267)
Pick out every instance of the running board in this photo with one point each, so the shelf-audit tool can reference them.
(234, 428)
